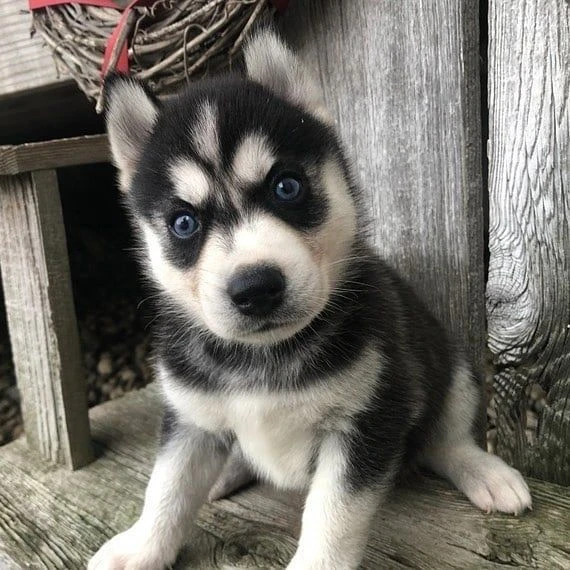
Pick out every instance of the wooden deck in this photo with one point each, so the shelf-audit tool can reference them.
(54, 518)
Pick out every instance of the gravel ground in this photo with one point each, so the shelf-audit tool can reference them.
(536, 400)
(115, 347)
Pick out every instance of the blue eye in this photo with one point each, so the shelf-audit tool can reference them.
(184, 225)
(288, 188)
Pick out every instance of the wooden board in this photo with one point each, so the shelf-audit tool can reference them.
(26, 64)
(402, 82)
(52, 519)
(15, 159)
(41, 318)
(528, 293)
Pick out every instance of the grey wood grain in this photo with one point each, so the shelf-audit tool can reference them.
(16, 159)
(51, 518)
(41, 318)
(528, 292)
(26, 64)
(401, 80)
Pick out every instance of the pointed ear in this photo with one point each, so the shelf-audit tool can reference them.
(130, 113)
(270, 62)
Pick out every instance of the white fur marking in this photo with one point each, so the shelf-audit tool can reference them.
(337, 233)
(253, 158)
(191, 183)
(205, 138)
(130, 120)
(335, 523)
(270, 62)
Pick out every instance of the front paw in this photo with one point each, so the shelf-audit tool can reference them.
(130, 550)
(494, 486)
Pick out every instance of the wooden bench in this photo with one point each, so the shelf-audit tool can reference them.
(411, 119)
(52, 518)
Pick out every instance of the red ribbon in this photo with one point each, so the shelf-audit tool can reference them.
(122, 64)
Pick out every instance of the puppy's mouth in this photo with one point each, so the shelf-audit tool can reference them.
(268, 326)
(273, 331)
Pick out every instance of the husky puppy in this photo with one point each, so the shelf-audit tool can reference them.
(281, 335)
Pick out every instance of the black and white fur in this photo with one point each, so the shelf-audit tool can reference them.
(345, 382)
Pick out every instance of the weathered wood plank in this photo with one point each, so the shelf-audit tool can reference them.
(25, 64)
(401, 79)
(528, 292)
(402, 82)
(41, 318)
(15, 159)
(51, 518)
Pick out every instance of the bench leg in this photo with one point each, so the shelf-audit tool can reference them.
(41, 318)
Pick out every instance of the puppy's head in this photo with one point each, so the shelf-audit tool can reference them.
(240, 193)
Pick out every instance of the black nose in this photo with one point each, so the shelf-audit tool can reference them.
(257, 290)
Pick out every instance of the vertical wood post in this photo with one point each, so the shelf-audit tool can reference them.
(41, 318)
(528, 291)
(401, 79)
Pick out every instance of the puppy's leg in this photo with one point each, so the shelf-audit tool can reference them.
(487, 480)
(187, 464)
(337, 518)
(236, 474)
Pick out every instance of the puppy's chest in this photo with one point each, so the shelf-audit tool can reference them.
(278, 435)
(280, 441)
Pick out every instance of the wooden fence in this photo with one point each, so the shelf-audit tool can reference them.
(403, 82)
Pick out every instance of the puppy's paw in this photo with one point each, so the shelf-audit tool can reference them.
(494, 486)
(130, 550)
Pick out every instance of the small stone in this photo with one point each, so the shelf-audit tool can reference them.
(491, 440)
(116, 393)
(128, 376)
(105, 364)
(531, 420)
(537, 393)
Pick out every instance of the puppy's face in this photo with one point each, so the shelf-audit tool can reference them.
(239, 192)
